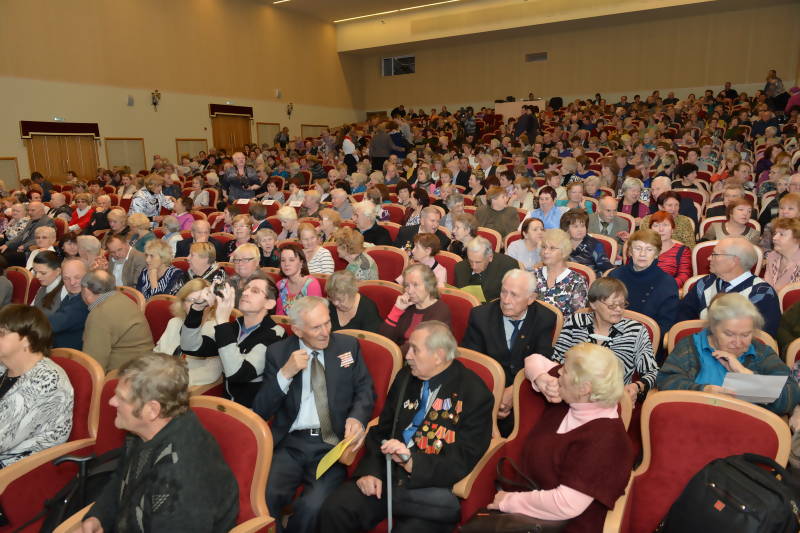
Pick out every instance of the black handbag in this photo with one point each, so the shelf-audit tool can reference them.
(495, 521)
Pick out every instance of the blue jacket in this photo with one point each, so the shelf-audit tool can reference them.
(651, 292)
(68, 321)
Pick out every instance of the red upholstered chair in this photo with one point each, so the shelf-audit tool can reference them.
(276, 224)
(559, 318)
(652, 326)
(460, 304)
(792, 351)
(396, 212)
(114, 198)
(628, 218)
(690, 327)
(20, 279)
(273, 272)
(136, 296)
(511, 237)
(212, 195)
(157, 312)
(182, 263)
(492, 236)
(682, 432)
(585, 271)
(610, 245)
(789, 295)
(383, 293)
(392, 228)
(383, 359)
(26, 484)
(391, 261)
(283, 321)
(125, 203)
(228, 267)
(61, 227)
(695, 195)
(33, 288)
(246, 444)
(491, 372)
(323, 281)
(217, 221)
(160, 232)
(199, 215)
(222, 237)
(448, 260)
(338, 262)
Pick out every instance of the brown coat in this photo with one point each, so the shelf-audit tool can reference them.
(116, 331)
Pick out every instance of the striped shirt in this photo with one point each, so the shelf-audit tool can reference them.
(628, 339)
(321, 263)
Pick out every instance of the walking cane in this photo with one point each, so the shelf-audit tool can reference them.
(389, 492)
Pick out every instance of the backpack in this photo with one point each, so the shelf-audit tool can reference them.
(735, 494)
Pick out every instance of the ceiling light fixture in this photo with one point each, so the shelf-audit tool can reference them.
(393, 10)
(280, 1)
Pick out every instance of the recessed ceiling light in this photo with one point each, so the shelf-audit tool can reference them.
(393, 10)
(279, 1)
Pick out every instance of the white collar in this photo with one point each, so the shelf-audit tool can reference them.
(739, 279)
(560, 277)
(53, 285)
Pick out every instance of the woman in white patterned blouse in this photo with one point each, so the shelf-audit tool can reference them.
(320, 260)
(36, 397)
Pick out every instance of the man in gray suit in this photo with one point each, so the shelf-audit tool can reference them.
(606, 221)
(15, 249)
(125, 263)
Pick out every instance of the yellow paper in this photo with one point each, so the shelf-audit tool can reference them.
(476, 291)
(332, 456)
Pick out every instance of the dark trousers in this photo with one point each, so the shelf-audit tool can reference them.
(294, 463)
(347, 510)
(350, 161)
(377, 163)
(15, 258)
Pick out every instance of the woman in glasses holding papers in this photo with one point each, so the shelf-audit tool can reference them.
(701, 361)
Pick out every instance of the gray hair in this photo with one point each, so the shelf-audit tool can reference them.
(90, 243)
(455, 198)
(171, 223)
(480, 244)
(659, 179)
(367, 208)
(518, 272)
(732, 305)
(743, 250)
(286, 213)
(50, 231)
(302, 306)
(341, 283)
(604, 288)
(440, 337)
(98, 282)
(631, 183)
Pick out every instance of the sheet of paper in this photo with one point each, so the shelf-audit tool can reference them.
(268, 202)
(755, 388)
(295, 203)
(242, 201)
(330, 458)
(476, 291)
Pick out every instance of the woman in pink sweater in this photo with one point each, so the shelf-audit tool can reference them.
(579, 452)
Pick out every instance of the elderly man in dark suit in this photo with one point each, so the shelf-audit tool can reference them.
(483, 268)
(318, 391)
(201, 232)
(509, 330)
(428, 223)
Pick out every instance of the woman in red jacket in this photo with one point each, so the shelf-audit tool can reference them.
(82, 214)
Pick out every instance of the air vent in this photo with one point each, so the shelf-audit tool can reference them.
(538, 56)
(396, 66)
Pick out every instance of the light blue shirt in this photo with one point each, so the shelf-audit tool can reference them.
(552, 219)
(307, 417)
(508, 327)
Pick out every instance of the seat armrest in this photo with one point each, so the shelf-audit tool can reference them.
(613, 522)
(257, 524)
(351, 452)
(463, 488)
(16, 470)
(73, 523)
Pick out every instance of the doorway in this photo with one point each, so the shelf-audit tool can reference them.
(54, 155)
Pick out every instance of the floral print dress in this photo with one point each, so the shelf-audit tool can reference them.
(569, 293)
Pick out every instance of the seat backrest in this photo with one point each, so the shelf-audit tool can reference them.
(559, 318)
(586, 272)
(460, 304)
(33, 288)
(383, 293)
(511, 237)
(396, 212)
(182, 263)
(532, 404)
(338, 262)
(610, 245)
(109, 436)
(86, 376)
(491, 372)
(789, 295)
(383, 359)
(246, 444)
(157, 312)
(222, 237)
(493, 236)
(706, 223)
(392, 227)
(135, 296)
(391, 261)
(651, 325)
(682, 431)
(629, 219)
(792, 351)
(701, 256)
(449, 260)
(20, 279)
(690, 327)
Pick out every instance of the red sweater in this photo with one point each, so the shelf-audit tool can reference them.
(595, 459)
(81, 221)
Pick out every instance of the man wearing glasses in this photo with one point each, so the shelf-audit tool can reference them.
(245, 261)
(731, 262)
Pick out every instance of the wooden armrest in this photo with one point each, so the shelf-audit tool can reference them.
(351, 452)
(73, 523)
(613, 522)
(16, 470)
(259, 523)
(463, 488)
(199, 390)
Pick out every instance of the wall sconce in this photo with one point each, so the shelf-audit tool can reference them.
(289, 109)
(155, 98)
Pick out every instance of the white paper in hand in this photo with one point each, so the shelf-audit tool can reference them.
(755, 388)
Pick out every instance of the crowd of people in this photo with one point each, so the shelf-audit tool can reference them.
(577, 213)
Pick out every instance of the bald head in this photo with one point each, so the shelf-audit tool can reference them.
(607, 209)
(201, 231)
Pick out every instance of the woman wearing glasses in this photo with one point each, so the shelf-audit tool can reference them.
(651, 291)
(605, 325)
(241, 233)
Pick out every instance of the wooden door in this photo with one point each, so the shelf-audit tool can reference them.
(231, 132)
(54, 155)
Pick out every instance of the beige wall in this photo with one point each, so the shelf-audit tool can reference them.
(614, 55)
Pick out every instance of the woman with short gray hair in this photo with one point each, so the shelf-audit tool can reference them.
(347, 307)
(160, 277)
(556, 283)
(701, 361)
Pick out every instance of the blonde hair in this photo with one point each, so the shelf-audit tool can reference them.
(560, 238)
(160, 249)
(286, 213)
(138, 221)
(598, 366)
(351, 240)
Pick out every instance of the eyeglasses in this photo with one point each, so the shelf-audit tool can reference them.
(643, 249)
(240, 260)
(717, 254)
(614, 307)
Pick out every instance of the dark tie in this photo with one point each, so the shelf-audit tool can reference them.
(604, 226)
(320, 388)
(723, 286)
(514, 333)
(422, 410)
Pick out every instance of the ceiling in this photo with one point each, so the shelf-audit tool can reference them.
(330, 10)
